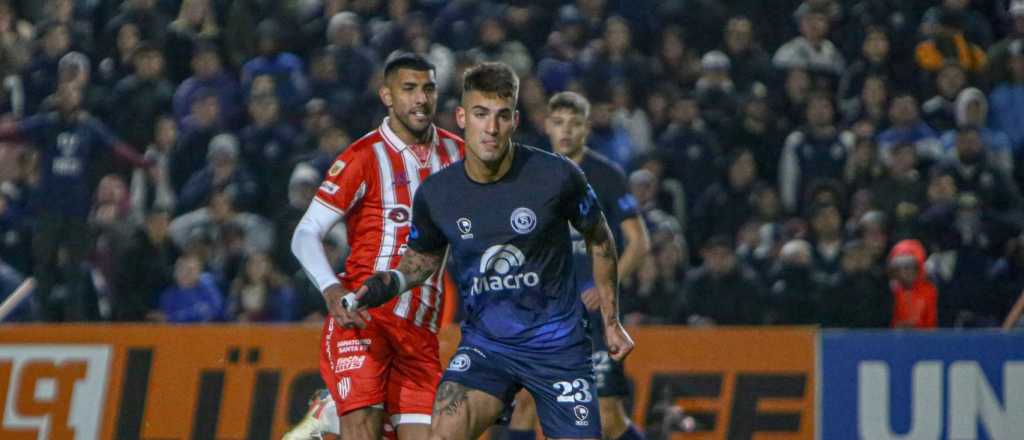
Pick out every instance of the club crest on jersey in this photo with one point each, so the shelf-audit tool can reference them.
(523, 220)
(459, 363)
(336, 168)
(399, 215)
(582, 413)
(465, 227)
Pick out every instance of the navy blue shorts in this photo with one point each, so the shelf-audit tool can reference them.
(611, 377)
(562, 386)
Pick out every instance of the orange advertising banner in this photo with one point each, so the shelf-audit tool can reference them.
(252, 382)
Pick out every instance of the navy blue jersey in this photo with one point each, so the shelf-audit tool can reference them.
(510, 249)
(66, 149)
(609, 183)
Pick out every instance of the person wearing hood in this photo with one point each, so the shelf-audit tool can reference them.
(794, 289)
(974, 173)
(971, 110)
(915, 298)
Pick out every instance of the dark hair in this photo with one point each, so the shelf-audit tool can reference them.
(406, 60)
(146, 48)
(571, 101)
(492, 78)
(719, 241)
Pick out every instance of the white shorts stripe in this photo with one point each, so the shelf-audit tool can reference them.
(401, 419)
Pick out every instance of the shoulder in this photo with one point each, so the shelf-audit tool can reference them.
(600, 163)
(443, 134)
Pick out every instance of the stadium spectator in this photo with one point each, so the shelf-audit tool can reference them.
(999, 53)
(15, 50)
(728, 203)
(139, 99)
(870, 105)
(116, 64)
(302, 186)
(223, 173)
(757, 130)
(220, 222)
(750, 63)
(901, 193)
(972, 111)
(812, 50)
(940, 110)
(675, 61)
(355, 63)
(915, 298)
(208, 74)
(39, 78)
(266, 145)
(197, 130)
(976, 27)
(795, 291)
(285, 68)
(689, 149)
(340, 98)
(976, 174)
(721, 291)
(612, 58)
(260, 293)
(947, 43)
(1007, 98)
(716, 93)
(791, 102)
(195, 26)
(876, 59)
(1006, 278)
(144, 269)
(857, 296)
(817, 150)
(194, 297)
(144, 15)
(826, 237)
(906, 126)
(493, 45)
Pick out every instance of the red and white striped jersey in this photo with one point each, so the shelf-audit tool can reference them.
(372, 185)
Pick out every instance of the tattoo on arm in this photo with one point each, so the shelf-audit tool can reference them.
(418, 266)
(604, 259)
(451, 397)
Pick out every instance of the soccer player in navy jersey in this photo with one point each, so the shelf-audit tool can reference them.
(567, 127)
(503, 215)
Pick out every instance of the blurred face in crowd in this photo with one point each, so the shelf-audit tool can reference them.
(876, 46)
(950, 81)
(685, 111)
(333, 140)
(149, 64)
(903, 111)
(616, 35)
(69, 98)
(324, 68)
(672, 46)
(874, 91)
(111, 189)
(798, 85)
(567, 131)
(187, 271)
(264, 110)
(257, 267)
(128, 38)
(820, 112)
(942, 189)
(743, 170)
(814, 26)
(768, 204)
(903, 160)
(166, 134)
(194, 11)
(903, 269)
(739, 34)
(489, 121)
(975, 113)
(220, 207)
(156, 226)
(955, 5)
(206, 110)
(411, 98)
(643, 189)
(492, 33)
(720, 260)
(60, 10)
(57, 41)
(827, 222)
(856, 260)
(969, 146)
(206, 64)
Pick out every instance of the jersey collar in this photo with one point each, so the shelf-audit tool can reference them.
(392, 139)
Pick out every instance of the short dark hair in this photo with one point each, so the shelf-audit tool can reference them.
(492, 78)
(571, 101)
(406, 60)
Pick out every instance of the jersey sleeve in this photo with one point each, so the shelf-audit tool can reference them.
(580, 204)
(424, 235)
(346, 182)
(104, 136)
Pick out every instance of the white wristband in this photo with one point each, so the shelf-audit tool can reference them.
(402, 284)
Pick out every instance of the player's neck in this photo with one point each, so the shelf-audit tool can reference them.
(405, 135)
(482, 172)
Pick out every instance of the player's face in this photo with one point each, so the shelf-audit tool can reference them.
(567, 131)
(411, 98)
(488, 121)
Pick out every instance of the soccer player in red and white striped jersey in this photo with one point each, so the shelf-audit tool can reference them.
(389, 366)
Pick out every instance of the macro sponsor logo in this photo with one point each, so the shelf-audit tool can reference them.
(53, 391)
(499, 270)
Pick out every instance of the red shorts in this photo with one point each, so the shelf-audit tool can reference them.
(390, 363)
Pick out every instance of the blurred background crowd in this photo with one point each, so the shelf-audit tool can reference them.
(841, 163)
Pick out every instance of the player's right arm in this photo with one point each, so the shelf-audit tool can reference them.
(422, 258)
(342, 189)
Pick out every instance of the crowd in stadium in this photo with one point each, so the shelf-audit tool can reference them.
(155, 155)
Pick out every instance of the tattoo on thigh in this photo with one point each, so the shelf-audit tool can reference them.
(451, 397)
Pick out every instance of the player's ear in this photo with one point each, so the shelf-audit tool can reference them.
(385, 95)
(460, 117)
